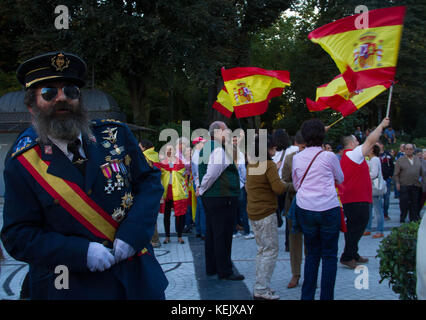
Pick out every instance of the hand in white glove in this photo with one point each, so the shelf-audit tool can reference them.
(99, 257)
(122, 250)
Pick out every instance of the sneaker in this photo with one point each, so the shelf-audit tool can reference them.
(349, 264)
(378, 235)
(249, 236)
(236, 235)
(268, 295)
(366, 233)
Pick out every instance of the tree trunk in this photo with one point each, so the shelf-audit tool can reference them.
(138, 101)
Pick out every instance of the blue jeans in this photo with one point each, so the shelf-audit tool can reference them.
(386, 196)
(376, 206)
(321, 233)
(200, 218)
(242, 212)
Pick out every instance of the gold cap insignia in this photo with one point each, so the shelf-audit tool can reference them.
(60, 62)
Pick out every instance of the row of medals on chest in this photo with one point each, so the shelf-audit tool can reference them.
(119, 168)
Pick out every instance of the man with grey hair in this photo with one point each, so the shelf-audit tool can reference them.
(408, 172)
(219, 191)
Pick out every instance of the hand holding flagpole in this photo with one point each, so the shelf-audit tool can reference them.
(389, 101)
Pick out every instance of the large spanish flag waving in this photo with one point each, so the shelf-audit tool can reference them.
(365, 57)
(250, 89)
(335, 95)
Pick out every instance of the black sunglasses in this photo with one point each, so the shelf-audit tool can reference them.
(49, 93)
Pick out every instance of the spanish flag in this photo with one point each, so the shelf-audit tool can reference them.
(365, 57)
(250, 89)
(336, 95)
(223, 103)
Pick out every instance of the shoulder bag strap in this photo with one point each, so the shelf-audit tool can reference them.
(312, 161)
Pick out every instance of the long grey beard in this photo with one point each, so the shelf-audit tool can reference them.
(66, 127)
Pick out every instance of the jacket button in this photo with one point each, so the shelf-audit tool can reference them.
(107, 244)
(89, 192)
(56, 201)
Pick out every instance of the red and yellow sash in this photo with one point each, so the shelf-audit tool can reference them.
(70, 196)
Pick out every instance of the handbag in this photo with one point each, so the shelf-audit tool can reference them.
(379, 185)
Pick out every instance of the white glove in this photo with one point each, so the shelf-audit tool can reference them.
(99, 257)
(122, 250)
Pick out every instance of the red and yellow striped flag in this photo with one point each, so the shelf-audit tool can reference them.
(335, 95)
(223, 103)
(250, 89)
(365, 57)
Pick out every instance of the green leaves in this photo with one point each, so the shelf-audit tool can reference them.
(397, 253)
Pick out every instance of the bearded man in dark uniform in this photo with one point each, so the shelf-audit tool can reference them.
(80, 196)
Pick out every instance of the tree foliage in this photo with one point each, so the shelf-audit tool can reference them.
(161, 60)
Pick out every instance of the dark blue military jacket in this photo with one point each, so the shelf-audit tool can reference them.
(38, 230)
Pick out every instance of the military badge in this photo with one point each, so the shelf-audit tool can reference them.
(92, 138)
(127, 160)
(106, 144)
(117, 150)
(118, 214)
(116, 168)
(127, 200)
(112, 134)
(48, 149)
(60, 62)
(107, 172)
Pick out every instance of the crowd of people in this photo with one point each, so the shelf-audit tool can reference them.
(317, 192)
(84, 194)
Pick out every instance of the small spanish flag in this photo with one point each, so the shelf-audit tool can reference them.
(335, 95)
(365, 57)
(250, 89)
(223, 103)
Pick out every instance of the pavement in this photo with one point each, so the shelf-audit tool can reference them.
(184, 267)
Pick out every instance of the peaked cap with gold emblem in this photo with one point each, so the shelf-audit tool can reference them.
(52, 66)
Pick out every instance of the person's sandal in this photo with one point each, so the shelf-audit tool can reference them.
(167, 240)
(293, 282)
(181, 241)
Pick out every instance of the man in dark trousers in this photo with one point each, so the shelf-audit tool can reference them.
(387, 171)
(219, 191)
(81, 200)
(356, 192)
(408, 173)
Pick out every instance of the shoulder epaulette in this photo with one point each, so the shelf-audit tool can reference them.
(102, 122)
(22, 145)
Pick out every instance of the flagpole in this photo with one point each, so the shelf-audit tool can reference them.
(389, 101)
(335, 122)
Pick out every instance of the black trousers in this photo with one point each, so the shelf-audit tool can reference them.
(179, 222)
(409, 199)
(221, 213)
(357, 215)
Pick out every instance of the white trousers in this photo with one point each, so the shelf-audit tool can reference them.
(266, 235)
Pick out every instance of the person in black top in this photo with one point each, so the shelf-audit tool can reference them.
(387, 171)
